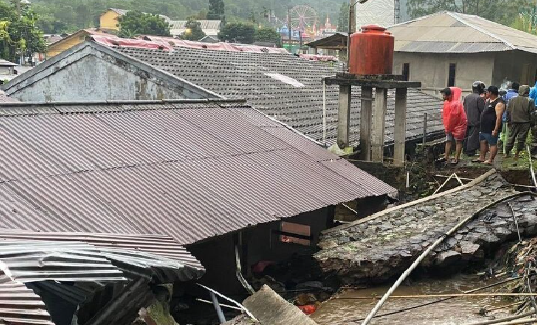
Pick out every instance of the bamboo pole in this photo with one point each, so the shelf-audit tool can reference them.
(450, 295)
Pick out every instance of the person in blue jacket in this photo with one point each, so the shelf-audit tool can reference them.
(533, 95)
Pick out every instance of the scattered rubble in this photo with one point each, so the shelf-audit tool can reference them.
(384, 245)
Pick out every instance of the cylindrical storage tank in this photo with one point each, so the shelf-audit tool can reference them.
(371, 51)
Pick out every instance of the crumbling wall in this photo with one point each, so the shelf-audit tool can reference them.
(384, 245)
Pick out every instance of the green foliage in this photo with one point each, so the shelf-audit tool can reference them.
(193, 31)
(75, 16)
(136, 23)
(216, 10)
(267, 34)
(500, 11)
(19, 34)
(237, 33)
(343, 19)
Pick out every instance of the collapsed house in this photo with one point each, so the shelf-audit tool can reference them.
(217, 176)
(85, 278)
(384, 245)
(281, 85)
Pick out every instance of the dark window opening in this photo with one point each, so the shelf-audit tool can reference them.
(452, 71)
(406, 71)
(535, 76)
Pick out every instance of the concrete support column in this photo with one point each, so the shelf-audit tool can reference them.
(366, 116)
(344, 116)
(378, 127)
(399, 134)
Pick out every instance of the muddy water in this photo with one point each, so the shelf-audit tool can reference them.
(345, 310)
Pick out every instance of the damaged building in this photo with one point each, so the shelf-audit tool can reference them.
(86, 278)
(217, 176)
(281, 85)
(384, 245)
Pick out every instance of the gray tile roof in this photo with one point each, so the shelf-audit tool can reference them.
(190, 169)
(283, 86)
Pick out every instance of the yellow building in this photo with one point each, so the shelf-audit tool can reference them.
(71, 41)
(110, 19)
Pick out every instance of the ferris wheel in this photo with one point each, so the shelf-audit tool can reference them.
(303, 18)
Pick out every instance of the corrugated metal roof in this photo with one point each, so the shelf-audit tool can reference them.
(35, 261)
(449, 32)
(20, 305)
(247, 75)
(192, 172)
(157, 247)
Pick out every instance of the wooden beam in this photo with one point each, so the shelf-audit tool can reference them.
(344, 116)
(366, 116)
(399, 134)
(378, 126)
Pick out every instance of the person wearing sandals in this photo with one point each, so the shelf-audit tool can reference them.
(491, 124)
(455, 122)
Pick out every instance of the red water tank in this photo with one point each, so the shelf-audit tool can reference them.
(371, 51)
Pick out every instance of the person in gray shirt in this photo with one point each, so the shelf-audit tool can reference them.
(474, 104)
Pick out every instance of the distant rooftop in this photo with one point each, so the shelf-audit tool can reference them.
(450, 32)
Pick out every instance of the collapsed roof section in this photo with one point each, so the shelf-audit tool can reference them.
(47, 278)
(190, 169)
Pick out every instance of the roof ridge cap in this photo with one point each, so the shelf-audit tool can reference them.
(460, 19)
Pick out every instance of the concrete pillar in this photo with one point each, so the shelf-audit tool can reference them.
(366, 115)
(378, 127)
(344, 116)
(399, 134)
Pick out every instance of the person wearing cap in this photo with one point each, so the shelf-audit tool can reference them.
(519, 111)
(511, 93)
(474, 105)
(490, 126)
(455, 121)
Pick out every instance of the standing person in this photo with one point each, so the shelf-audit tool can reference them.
(491, 124)
(474, 105)
(512, 92)
(519, 112)
(455, 122)
(533, 95)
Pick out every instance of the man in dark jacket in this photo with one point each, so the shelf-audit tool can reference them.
(474, 105)
(519, 112)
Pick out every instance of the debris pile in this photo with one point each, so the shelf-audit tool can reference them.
(382, 246)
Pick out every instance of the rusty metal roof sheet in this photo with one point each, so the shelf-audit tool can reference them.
(191, 172)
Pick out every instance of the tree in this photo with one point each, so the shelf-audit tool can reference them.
(136, 23)
(267, 34)
(216, 10)
(19, 34)
(343, 20)
(193, 31)
(237, 33)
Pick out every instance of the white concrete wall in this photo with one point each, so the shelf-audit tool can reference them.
(515, 66)
(433, 69)
(92, 72)
(94, 79)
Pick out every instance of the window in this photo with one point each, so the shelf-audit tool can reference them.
(406, 71)
(452, 71)
(295, 233)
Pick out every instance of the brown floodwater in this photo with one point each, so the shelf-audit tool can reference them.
(345, 310)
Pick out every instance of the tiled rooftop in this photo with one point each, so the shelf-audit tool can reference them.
(284, 87)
